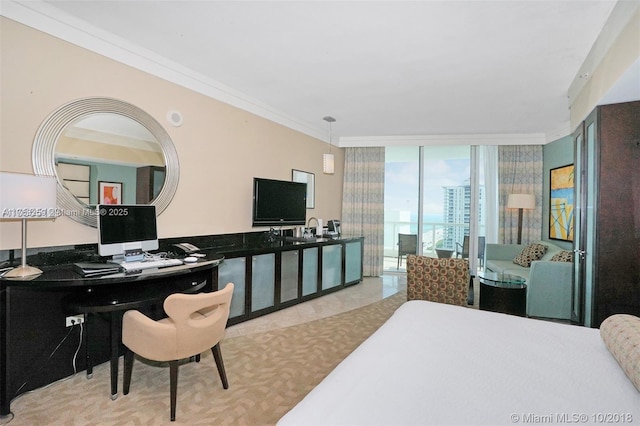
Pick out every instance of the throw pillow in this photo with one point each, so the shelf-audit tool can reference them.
(533, 251)
(621, 335)
(562, 256)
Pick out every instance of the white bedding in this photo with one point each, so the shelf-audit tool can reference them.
(439, 364)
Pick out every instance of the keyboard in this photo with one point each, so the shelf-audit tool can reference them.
(148, 264)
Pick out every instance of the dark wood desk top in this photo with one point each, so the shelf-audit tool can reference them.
(65, 276)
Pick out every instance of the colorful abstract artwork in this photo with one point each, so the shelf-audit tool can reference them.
(110, 192)
(561, 205)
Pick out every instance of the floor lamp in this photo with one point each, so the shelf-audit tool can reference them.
(26, 197)
(521, 202)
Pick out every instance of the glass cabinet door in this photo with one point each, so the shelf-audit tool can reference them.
(310, 271)
(233, 271)
(331, 266)
(289, 275)
(353, 265)
(263, 281)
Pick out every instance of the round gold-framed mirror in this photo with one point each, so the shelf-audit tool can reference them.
(101, 147)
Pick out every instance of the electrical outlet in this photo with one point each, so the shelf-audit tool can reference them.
(74, 320)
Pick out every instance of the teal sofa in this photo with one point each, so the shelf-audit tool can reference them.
(549, 283)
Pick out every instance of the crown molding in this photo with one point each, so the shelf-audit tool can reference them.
(433, 140)
(41, 16)
(622, 13)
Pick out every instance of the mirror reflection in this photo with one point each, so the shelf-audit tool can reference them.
(104, 152)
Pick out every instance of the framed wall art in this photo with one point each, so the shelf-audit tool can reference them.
(561, 203)
(110, 192)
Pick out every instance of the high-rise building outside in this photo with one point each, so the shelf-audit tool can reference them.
(457, 212)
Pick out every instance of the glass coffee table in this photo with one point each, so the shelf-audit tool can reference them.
(504, 293)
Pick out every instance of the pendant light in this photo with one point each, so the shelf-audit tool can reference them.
(327, 159)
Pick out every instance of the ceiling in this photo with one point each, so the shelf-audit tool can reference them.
(381, 68)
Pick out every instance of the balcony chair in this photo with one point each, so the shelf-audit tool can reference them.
(195, 323)
(438, 280)
(481, 245)
(407, 244)
(463, 249)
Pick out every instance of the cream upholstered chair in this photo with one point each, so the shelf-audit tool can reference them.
(438, 280)
(195, 323)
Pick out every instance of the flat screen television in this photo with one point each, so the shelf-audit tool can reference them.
(125, 228)
(279, 202)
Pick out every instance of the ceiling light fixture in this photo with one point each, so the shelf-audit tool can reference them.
(328, 167)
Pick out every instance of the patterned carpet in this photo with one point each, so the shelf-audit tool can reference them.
(268, 374)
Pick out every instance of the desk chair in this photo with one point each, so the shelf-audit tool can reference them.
(407, 244)
(195, 323)
(438, 280)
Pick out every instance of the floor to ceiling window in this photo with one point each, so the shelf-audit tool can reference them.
(401, 200)
(436, 194)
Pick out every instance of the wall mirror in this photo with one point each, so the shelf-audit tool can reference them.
(91, 141)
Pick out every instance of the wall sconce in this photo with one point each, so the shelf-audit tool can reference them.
(26, 197)
(328, 166)
(520, 202)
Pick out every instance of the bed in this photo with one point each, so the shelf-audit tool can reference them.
(440, 364)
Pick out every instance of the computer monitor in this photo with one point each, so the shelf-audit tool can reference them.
(126, 230)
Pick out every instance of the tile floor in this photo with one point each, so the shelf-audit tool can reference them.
(370, 290)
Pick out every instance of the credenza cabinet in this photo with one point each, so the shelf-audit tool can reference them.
(267, 280)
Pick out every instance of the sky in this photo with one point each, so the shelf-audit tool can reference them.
(401, 178)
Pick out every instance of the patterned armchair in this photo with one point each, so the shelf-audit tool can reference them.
(438, 280)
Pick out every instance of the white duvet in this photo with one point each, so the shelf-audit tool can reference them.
(436, 364)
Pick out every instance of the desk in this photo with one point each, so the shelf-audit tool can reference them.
(37, 308)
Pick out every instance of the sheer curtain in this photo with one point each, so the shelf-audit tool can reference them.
(490, 157)
(363, 204)
(520, 170)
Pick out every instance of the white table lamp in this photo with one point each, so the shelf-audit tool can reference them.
(26, 197)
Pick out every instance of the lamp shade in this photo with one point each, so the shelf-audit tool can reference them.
(521, 201)
(25, 196)
(327, 164)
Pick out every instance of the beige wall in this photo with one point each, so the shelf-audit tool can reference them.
(624, 52)
(220, 148)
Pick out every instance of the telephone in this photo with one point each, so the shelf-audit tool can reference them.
(186, 248)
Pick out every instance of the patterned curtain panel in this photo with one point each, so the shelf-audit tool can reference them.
(363, 204)
(520, 171)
